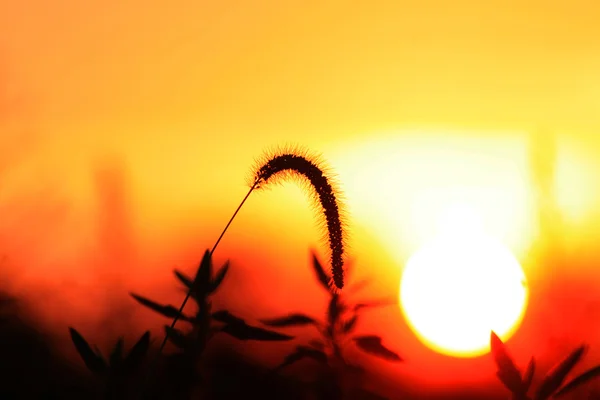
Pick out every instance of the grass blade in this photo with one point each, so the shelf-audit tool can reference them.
(320, 272)
(227, 317)
(349, 325)
(528, 375)
(335, 309)
(94, 362)
(138, 352)
(116, 356)
(186, 280)
(555, 378)
(301, 353)
(508, 373)
(580, 380)
(203, 275)
(372, 344)
(375, 303)
(214, 285)
(242, 331)
(290, 320)
(166, 310)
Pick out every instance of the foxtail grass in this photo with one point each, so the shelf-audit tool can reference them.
(280, 165)
(273, 167)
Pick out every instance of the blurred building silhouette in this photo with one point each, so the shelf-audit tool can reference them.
(116, 246)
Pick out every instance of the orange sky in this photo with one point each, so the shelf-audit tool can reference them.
(176, 102)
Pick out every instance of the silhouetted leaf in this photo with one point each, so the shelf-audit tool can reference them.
(168, 311)
(335, 309)
(580, 380)
(203, 275)
(374, 303)
(349, 325)
(243, 331)
(214, 285)
(116, 356)
(320, 272)
(508, 373)
(372, 344)
(186, 280)
(555, 378)
(177, 337)
(227, 317)
(93, 361)
(289, 320)
(301, 353)
(137, 353)
(528, 375)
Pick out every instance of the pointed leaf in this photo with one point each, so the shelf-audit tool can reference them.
(203, 275)
(242, 331)
(186, 280)
(349, 325)
(301, 353)
(227, 317)
(214, 285)
(508, 373)
(290, 320)
(177, 337)
(555, 378)
(320, 272)
(375, 303)
(116, 356)
(93, 361)
(137, 353)
(335, 309)
(168, 311)
(580, 380)
(372, 344)
(528, 375)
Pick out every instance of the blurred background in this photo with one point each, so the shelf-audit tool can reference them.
(129, 130)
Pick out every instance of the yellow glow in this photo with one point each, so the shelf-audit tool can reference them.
(401, 183)
(461, 285)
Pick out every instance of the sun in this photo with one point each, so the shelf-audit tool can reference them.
(462, 285)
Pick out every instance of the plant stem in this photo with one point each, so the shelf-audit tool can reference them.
(187, 297)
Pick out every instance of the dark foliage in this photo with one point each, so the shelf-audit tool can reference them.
(117, 373)
(552, 383)
(204, 324)
(336, 331)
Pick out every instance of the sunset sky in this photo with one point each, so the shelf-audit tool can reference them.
(129, 131)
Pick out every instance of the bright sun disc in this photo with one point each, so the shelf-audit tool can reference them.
(462, 285)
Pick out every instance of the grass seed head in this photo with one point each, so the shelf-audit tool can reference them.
(295, 163)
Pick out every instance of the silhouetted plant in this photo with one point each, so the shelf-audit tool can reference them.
(193, 343)
(551, 385)
(296, 164)
(293, 163)
(117, 373)
(341, 321)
